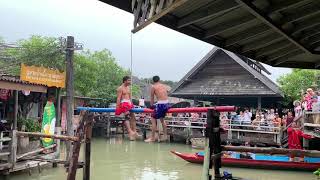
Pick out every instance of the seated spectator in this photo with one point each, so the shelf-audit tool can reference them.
(241, 117)
(247, 117)
(289, 119)
(277, 121)
(195, 117)
(256, 122)
(224, 121)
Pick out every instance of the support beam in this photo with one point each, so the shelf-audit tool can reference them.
(284, 57)
(232, 24)
(302, 14)
(254, 32)
(214, 9)
(267, 20)
(313, 40)
(315, 45)
(264, 42)
(317, 65)
(288, 4)
(272, 48)
(310, 33)
(307, 24)
(282, 52)
(157, 16)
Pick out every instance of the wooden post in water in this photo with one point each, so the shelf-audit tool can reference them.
(207, 164)
(216, 142)
(73, 165)
(87, 155)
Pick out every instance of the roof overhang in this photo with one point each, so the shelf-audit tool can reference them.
(22, 86)
(282, 33)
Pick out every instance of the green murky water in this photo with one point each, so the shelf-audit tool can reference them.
(124, 160)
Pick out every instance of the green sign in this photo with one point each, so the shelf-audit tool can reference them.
(48, 123)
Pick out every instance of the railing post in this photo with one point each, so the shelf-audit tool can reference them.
(13, 154)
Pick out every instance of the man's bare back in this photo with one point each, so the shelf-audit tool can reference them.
(160, 91)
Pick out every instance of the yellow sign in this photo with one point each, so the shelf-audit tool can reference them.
(44, 76)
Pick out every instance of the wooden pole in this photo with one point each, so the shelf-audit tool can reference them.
(70, 92)
(16, 106)
(216, 142)
(87, 155)
(72, 171)
(13, 147)
(259, 102)
(54, 136)
(208, 148)
(271, 150)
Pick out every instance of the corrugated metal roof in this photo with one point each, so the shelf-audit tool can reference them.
(284, 33)
(16, 79)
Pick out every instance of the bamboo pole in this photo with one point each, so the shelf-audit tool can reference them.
(295, 152)
(36, 151)
(54, 136)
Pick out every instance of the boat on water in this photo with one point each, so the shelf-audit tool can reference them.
(256, 161)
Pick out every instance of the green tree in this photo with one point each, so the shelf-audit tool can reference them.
(97, 74)
(299, 79)
(38, 51)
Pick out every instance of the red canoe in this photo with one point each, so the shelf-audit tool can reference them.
(265, 164)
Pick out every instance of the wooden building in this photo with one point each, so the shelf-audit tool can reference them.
(225, 78)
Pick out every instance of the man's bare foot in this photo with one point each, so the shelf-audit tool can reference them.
(164, 138)
(137, 134)
(132, 136)
(149, 140)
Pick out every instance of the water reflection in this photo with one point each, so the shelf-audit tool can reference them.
(125, 160)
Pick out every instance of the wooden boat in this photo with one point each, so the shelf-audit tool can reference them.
(280, 162)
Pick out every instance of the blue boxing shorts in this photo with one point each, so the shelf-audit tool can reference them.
(160, 109)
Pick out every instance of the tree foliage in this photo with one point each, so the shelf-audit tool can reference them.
(97, 74)
(298, 80)
(167, 82)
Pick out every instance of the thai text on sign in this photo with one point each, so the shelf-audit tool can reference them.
(42, 75)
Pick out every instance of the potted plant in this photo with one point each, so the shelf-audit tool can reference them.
(26, 144)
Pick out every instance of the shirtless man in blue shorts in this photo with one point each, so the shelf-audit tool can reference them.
(159, 91)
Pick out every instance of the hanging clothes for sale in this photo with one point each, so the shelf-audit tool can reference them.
(4, 94)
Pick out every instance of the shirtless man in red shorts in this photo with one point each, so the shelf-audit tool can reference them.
(124, 105)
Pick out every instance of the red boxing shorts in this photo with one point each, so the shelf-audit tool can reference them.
(124, 108)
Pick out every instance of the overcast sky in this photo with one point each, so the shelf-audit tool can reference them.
(156, 49)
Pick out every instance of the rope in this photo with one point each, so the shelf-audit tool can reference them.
(131, 65)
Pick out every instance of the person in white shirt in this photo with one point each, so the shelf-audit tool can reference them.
(247, 117)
